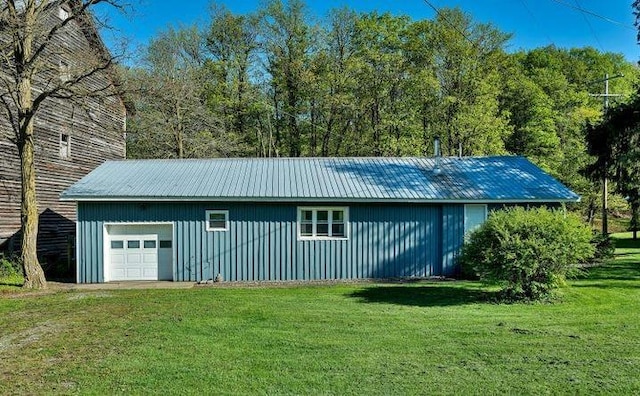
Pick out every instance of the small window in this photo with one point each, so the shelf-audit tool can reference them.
(322, 223)
(474, 216)
(117, 244)
(217, 220)
(133, 244)
(165, 244)
(63, 14)
(65, 146)
(65, 71)
(149, 244)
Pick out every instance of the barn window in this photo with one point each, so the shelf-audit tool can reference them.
(322, 223)
(65, 146)
(63, 14)
(65, 71)
(217, 220)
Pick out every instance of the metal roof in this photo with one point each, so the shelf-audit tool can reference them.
(467, 179)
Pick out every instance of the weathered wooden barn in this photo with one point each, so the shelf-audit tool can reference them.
(292, 218)
(71, 139)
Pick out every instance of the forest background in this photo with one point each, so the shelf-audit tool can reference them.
(280, 82)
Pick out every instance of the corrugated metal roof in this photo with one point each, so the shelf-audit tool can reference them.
(486, 179)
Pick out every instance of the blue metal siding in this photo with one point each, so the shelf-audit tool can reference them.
(385, 240)
(452, 237)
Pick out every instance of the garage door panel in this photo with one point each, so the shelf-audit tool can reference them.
(117, 259)
(117, 273)
(134, 258)
(150, 258)
(133, 273)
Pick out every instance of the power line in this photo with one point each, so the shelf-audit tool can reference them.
(624, 25)
(586, 19)
(444, 17)
(535, 20)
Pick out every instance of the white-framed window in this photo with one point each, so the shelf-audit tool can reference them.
(65, 146)
(63, 14)
(217, 220)
(65, 71)
(474, 216)
(323, 222)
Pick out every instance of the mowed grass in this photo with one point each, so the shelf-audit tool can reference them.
(416, 338)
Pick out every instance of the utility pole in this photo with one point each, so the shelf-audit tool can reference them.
(605, 194)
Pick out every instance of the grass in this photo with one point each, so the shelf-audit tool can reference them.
(415, 338)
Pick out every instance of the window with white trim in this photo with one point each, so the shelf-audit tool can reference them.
(63, 14)
(217, 220)
(65, 146)
(474, 216)
(322, 223)
(65, 71)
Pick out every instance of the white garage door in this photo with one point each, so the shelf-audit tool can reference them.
(133, 257)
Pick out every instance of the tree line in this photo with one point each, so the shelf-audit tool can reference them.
(278, 82)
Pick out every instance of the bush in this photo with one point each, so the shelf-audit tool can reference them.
(9, 267)
(528, 252)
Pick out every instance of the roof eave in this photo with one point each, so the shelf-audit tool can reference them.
(315, 199)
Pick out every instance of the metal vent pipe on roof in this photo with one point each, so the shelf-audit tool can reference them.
(436, 153)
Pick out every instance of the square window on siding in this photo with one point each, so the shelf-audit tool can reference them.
(62, 13)
(65, 146)
(217, 220)
(322, 223)
(165, 244)
(65, 71)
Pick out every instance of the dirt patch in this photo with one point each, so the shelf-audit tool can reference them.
(26, 337)
(82, 296)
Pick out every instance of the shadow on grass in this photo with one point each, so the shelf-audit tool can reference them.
(423, 296)
(626, 243)
(615, 271)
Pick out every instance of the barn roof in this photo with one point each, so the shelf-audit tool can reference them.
(467, 179)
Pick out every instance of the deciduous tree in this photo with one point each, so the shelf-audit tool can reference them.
(35, 69)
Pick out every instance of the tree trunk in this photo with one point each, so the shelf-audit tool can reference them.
(33, 274)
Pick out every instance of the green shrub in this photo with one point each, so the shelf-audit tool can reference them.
(9, 267)
(528, 252)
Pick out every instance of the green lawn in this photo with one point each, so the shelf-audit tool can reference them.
(346, 339)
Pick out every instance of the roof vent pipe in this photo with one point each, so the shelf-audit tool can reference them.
(436, 153)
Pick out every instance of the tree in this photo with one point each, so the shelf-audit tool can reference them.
(231, 40)
(35, 69)
(173, 118)
(465, 107)
(615, 143)
(287, 42)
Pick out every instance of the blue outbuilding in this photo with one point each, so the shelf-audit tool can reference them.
(280, 219)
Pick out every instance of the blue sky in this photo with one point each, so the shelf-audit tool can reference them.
(533, 23)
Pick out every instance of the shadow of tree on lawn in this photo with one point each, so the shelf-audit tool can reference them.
(433, 295)
(618, 270)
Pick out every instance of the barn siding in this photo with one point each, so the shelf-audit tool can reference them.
(261, 243)
(96, 129)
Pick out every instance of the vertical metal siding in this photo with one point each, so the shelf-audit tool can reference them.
(261, 243)
(452, 237)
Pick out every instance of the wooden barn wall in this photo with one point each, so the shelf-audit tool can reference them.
(96, 130)
(262, 244)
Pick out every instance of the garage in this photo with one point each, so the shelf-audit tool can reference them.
(138, 252)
